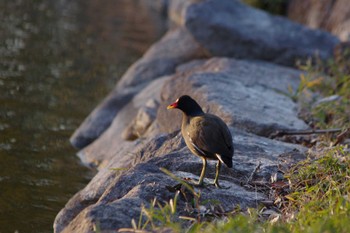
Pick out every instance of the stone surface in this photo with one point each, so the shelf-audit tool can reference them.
(115, 202)
(248, 95)
(131, 135)
(231, 28)
(176, 47)
(238, 91)
(206, 29)
(142, 122)
(129, 172)
(111, 142)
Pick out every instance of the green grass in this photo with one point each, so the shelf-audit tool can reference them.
(325, 79)
(319, 201)
(316, 196)
(320, 198)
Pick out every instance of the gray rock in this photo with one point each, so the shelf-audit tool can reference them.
(250, 96)
(238, 91)
(111, 142)
(176, 47)
(131, 135)
(231, 28)
(122, 196)
(143, 120)
(129, 174)
(328, 99)
(207, 28)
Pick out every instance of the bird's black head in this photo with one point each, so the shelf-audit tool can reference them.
(188, 105)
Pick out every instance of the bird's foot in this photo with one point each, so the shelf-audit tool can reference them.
(200, 184)
(195, 183)
(216, 184)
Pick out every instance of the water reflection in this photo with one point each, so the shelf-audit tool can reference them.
(57, 60)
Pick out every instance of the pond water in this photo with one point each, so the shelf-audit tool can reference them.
(58, 59)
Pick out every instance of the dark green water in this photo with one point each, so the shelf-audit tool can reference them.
(58, 59)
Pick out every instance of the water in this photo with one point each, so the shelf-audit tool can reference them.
(58, 59)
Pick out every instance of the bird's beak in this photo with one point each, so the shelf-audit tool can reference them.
(173, 105)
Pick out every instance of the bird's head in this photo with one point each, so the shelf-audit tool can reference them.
(188, 105)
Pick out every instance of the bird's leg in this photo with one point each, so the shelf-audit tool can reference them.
(201, 178)
(216, 180)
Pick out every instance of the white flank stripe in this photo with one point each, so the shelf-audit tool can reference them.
(219, 158)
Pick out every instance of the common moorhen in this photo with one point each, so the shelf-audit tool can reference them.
(206, 135)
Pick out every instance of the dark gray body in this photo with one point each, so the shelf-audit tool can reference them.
(207, 136)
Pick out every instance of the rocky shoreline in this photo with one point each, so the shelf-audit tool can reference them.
(237, 62)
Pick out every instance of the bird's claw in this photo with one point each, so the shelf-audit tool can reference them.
(221, 187)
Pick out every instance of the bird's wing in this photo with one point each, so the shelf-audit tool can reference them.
(210, 134)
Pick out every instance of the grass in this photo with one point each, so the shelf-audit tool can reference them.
(319, 201)
(330, 80)
(315, 194)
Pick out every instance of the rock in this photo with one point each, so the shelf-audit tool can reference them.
(111, 141)
(208, 28)
(328, 99)
(251, 89)
(233, 29)
(130, 175)
(131, 135)
(141, 123)
(161, 59)
(123, 196)
(238, 91)
(330, 15)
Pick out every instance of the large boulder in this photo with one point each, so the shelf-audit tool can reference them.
(249, 96)
(238, 91)
(231, 28)
(252, 96)
(121, 198)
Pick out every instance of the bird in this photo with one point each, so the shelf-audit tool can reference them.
(206, 135)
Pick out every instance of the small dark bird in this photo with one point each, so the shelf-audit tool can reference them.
(206, 135)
